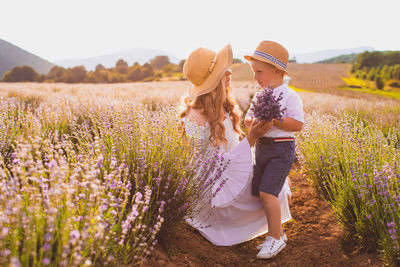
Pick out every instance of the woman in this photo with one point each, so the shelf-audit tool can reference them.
(209, 113)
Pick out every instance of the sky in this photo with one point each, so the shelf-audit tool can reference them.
(63, 29)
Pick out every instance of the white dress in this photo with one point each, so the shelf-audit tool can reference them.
(236, 215)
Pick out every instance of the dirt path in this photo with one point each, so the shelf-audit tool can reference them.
(313, 235)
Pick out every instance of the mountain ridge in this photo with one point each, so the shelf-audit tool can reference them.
(12, 56)
(318, 56)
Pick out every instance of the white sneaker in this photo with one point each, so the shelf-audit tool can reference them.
(271, 248)
(284, 238)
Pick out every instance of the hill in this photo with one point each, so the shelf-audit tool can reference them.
(313, 77)
(327, 54)
(11, 56)
(140, 55)
(241, 72)
(347, 59)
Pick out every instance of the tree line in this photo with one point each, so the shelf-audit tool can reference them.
(156, 68)
(383, 67)
(342, 59)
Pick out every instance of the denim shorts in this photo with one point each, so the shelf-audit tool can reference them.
(273, 164)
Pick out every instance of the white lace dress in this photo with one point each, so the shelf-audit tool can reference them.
(236, 215)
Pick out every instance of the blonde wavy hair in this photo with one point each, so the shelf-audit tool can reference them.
(210, 108)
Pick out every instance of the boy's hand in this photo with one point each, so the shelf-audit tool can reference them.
(248, 121)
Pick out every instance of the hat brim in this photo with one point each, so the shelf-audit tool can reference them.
(223, 62)
(255, 57)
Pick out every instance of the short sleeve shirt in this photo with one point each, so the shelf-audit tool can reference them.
(294, 109)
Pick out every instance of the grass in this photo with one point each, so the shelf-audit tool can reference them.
(324, 78)
(299, 89)
(390, 94)
(367, 87)
(353, 81)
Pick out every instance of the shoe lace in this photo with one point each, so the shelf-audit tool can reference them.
(272, 245)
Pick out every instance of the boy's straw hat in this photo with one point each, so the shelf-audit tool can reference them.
(272, 53)
(204, 69)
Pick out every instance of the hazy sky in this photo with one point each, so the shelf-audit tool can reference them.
(55, 29)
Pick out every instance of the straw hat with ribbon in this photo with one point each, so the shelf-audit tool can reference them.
(272, 53)
(204, 69)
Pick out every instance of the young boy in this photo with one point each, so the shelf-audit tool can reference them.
(275, 150)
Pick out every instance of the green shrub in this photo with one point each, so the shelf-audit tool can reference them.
(395, 84)
(379, 82)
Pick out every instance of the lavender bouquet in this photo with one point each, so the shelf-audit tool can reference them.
(266, 107)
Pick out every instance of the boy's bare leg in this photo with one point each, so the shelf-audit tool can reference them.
(272, 210)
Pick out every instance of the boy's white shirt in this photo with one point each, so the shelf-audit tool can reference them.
(294, 109)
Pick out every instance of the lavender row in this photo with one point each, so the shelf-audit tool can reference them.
(354, 166)
(86, 182)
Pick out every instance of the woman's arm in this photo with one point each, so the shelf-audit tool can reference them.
(257, 130)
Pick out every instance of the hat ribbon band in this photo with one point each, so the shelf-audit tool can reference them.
(212, 65)
(270, 58)
(210, 69)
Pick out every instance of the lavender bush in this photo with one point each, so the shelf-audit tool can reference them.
(355, 168)
(93, 183)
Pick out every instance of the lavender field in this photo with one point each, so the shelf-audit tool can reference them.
(99, 174)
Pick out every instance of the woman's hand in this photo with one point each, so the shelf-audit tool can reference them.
(257, 129)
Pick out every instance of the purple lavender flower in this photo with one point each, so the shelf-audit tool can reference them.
(266, 106)
(46, 246)
(74, 234)
(46, 261)
(392, 230)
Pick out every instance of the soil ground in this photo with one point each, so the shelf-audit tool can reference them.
(314, 240)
